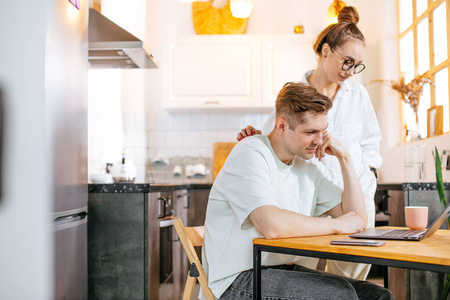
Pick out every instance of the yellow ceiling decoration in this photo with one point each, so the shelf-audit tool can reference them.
(210, 20)
(333, 11)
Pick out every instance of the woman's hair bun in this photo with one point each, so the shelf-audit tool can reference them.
(349, 14)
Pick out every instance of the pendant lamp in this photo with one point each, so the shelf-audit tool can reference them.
(241, 8)
(333, 11)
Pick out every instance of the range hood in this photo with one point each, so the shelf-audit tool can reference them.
(110, 46)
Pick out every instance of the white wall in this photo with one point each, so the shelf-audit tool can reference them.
(105, 122)
(28, 35)
(194, 133)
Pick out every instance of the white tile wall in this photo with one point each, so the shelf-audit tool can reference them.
(217, 121)
(164, 120)
(207, 138)
(135, 138)
(182, 122)
(174, 139)
(194, 134)
(105, 126)
(233, 121)
(198, 121)
(191, 139)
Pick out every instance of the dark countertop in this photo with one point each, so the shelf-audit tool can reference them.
(410, 186)
(142, 187)
(149, 188)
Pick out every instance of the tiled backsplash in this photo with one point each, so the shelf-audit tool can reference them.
(194, 134)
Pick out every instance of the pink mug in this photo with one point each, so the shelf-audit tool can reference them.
(416, 217)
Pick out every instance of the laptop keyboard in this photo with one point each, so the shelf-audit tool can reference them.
(400, 232)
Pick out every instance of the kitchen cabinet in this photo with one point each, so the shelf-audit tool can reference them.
(197, 206)
(285, 58)
(134, 251)
(413, 284)
(234, 72)
(213, 71)
(197, 210)
(128, 254)
(119, 251)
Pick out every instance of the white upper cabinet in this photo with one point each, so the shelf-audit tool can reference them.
(213, 71)
(286, 58)
(240, 72)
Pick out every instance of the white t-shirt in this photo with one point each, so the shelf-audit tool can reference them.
(353, 122)
(251, 177)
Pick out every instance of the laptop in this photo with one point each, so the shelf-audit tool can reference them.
(404, 234)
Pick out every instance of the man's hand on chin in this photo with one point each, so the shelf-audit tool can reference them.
(330, 146)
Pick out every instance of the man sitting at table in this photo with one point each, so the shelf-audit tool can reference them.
(269, 187)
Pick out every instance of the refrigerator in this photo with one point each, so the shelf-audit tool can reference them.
(66, 134)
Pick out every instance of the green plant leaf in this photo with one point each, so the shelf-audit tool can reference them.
(440, 188)
(439, 181)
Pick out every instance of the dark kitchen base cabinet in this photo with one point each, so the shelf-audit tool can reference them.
(124, 238)
(133, 254)
(118, 248)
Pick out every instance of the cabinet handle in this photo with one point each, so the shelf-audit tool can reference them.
(71, 218)
(188, 201)
(384, 200)
(164, 207)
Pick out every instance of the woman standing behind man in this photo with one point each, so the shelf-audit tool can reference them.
(352, 120)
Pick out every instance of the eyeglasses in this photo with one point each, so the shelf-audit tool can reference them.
(348, 64)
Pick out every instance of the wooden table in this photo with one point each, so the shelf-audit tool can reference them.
(431, 254)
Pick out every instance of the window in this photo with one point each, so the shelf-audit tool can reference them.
(423, 48)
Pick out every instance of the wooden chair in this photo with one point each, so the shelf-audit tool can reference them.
(193, 237)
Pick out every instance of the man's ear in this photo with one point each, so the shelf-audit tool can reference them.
(281, 125)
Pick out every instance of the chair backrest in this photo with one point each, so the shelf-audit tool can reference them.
(191, 237)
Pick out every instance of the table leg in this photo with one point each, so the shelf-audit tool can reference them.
(256, 273)
(386, 276)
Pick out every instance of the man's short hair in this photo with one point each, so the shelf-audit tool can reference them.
(295, 99)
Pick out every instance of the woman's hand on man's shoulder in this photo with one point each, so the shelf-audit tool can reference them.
(247, 131)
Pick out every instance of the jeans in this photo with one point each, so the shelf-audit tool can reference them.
(292, 282)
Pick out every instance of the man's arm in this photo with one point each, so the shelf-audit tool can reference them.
(273, 222)
(348, 217)
(352, 196)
